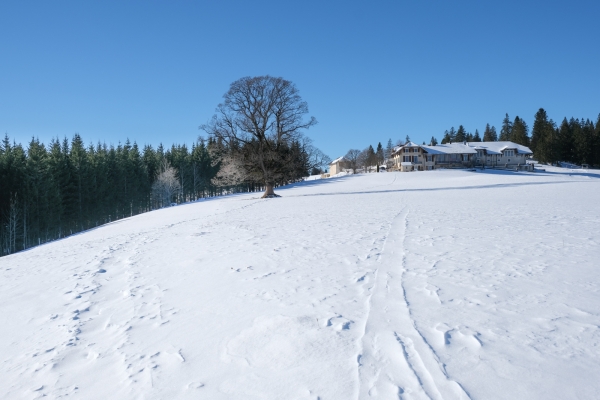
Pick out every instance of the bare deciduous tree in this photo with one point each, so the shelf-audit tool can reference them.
(352, 159)
(363, 160)
(258, 118)
(316, 158)
(165, 186)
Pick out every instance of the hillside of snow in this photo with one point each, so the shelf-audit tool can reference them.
(424, 285)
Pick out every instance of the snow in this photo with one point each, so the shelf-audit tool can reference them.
(472, 147)
(499, 147)
(450, 148)
(440, 284)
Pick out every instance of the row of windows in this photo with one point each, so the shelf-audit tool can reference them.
(507, 153)
(451, 157)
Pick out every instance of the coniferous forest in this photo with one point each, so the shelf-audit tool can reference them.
(51, 191)
(574, 141)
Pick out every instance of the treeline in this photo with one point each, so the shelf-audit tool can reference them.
(368, 159)
(49, 192)
(575, 141)
(515, 131)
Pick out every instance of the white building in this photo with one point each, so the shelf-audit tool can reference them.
(414, 157)
(336, 166)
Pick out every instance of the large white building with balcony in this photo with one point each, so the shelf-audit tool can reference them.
(414, 157)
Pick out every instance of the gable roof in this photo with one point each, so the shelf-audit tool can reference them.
(337, 160)
(469, 148)
(499, 147)
(449, 148)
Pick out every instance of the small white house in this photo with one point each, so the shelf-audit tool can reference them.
(336, 166)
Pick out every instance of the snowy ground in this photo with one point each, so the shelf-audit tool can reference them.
(440, 285)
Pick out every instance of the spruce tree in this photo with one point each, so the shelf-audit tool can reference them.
(565, 142)
(487, 134)
(520, 132)
(506, 130)
(389, 148)
(461, 134)
(379, 156)
(596, 151)
(543, 138)
(476, 137)
(493, 134)
(446, 138)
(452, 134)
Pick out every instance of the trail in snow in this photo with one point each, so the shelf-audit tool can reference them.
(395, 360)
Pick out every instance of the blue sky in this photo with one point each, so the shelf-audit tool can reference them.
(154, 71)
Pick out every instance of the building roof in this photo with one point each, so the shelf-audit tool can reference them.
(450, 148)
(469, 148)
(499, 147)
(337, 160)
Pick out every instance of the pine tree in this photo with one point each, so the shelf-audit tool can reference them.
(389, 149)
(452, 135)
(379, 156)
(520, 132)
(493, 134)
(446, 138)
(487, 134)
(596, 151)
(433, 141)
(461, 134)
(506, 130)
(371, 157)
(476, 137)
(565, 142)
(583, 140)
(543, 138)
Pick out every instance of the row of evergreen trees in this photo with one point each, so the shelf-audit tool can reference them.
(48, 192)
(515, 131)
(575, 140)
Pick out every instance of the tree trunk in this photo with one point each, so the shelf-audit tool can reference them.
(269, 192)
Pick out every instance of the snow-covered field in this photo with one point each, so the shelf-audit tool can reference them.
(440, 285)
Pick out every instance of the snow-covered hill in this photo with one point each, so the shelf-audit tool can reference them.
(441, 285)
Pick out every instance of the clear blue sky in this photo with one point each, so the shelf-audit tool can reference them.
(154, 71)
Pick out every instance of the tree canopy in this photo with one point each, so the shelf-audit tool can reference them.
(259, 122)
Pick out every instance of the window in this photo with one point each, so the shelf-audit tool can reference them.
(509, 153)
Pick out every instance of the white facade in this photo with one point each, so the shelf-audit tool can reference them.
(414, 157)
(335, 167)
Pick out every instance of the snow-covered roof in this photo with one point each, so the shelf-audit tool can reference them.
(499, 147)
(449, 148)
(337, 160)
(468, 148)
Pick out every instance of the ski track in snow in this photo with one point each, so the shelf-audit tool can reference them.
(396, 361)
(442, 285)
